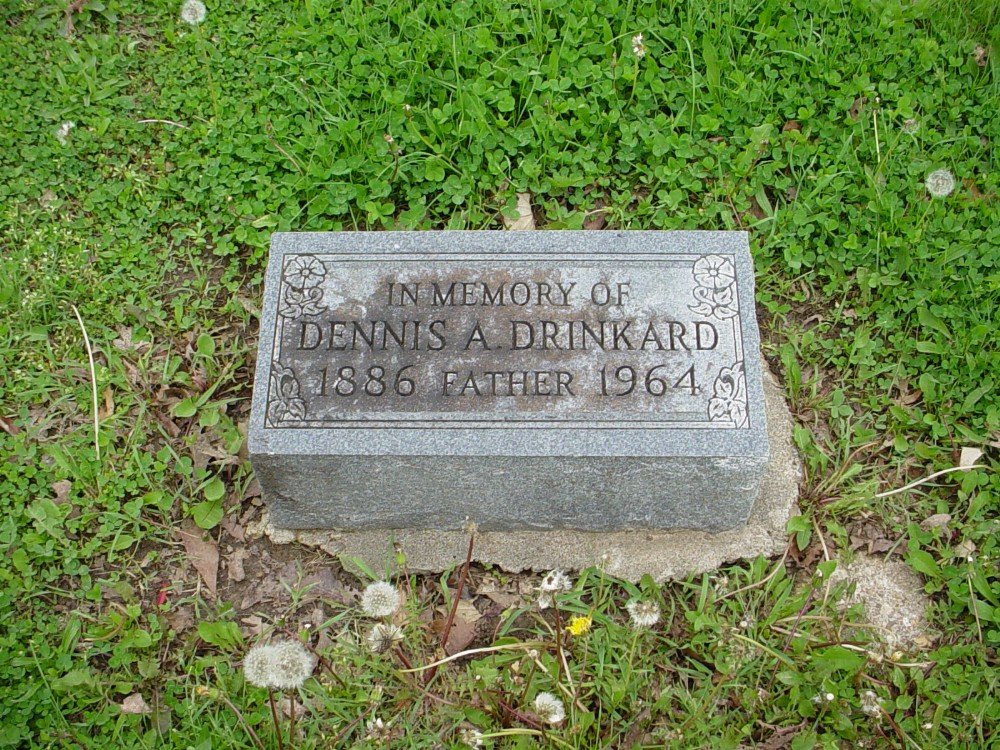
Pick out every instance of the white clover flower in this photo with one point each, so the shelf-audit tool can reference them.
(545, 600)
(378, 730)
(644, 614)
(193, 12)
(290, 665)
(471, 736)
(638, 48)
(380, 599)
(384, 636)
(549, 708)
(62, 132)
(940, 183)
(257, 665)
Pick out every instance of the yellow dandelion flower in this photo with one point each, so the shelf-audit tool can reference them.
(579, 625)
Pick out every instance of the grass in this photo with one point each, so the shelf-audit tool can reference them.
(813, 124)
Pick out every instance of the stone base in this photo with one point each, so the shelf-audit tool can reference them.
(624, 554)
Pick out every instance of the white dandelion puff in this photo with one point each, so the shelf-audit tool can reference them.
(555, 581)
(940, 183)
(644, 614)
(638, 48)
(380, 599)
(257, 665)
(870, 703)
(290, 665)
(384, 636)
(62, 132)
(471, 736)
(549, 708)
(378, 730)
(193, 12)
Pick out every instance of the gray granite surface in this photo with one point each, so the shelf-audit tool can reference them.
(543, 380)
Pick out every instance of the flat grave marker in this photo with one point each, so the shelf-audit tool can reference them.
(524, 380)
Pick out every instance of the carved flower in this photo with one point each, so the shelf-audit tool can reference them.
(729, 401)
(285, 402)
(715, 294)
(714, 272)
(304, 272)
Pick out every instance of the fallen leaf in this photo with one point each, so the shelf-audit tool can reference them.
(287, 703)
(856, 108)
(135, 704)
(969, 456)
(980, 55)
(109, 405)
(937, 521)
(791, 125)
(965, 548)
(525, 219)
(460, 636)
(202, 552)
(234, 564)
(8, 426)
(62, 489)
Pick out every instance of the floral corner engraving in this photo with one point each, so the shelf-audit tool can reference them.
(729, 399)
(302, 293)
(715, 290)
(285, 403)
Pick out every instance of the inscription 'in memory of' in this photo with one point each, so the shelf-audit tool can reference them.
(369, 340)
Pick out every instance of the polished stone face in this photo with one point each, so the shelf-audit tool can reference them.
(557, 361)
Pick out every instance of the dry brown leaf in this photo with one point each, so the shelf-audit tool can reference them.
(460, 636)
(202, 552)
(62, 489)
(234, 564)
(135, 704)
(525, 219)
(8, 426)
(938, 520)
(969, 457)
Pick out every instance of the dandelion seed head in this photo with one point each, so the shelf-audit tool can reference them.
(870, 703)
(290, 665)
(940, 183)
(193, 12)
(378, 730)
(555, 581)
(383, 636)
(471, 736)
(638, 48)
(62, 132)
(257, 665)
(549, 708)
(644, 614)
(380, 599)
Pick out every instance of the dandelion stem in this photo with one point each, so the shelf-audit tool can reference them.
(274, 715)
(243, 722)
(525, 646)
(93, 383)
(559, 660)
(446, 631)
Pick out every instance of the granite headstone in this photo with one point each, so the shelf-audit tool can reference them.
(522, 380)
